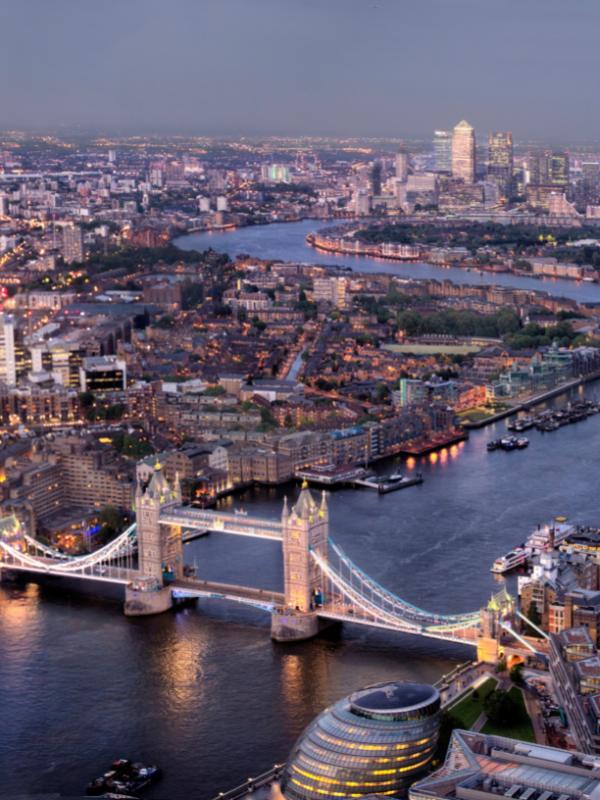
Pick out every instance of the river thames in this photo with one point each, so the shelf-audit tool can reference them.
(286, 241)
(203, 691)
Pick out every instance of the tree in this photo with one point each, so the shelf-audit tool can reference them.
(86, 399)
(214, 391)
(501, 708)
(516, 674)
(111, 521)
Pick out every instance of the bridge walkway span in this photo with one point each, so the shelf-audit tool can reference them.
(222, 522)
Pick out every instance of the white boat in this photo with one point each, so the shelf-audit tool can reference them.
(546, 537)
(514, 558)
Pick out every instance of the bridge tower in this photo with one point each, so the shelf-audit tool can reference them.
(305, 528)
(159, 546)
(501, 605)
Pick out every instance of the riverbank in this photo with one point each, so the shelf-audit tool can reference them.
(286, 241)
(406, 253)
(532, 401)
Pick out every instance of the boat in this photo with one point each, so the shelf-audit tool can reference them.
(391, 484)
(522, 442)
(540, 540)
(514, 558)
(124, 777)
(546, 537)
(493, 445)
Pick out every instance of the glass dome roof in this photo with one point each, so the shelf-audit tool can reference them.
(376, 742)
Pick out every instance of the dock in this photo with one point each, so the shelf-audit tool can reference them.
(384, 485)
(331, 475)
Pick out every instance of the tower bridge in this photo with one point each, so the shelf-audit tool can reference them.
(321, 584)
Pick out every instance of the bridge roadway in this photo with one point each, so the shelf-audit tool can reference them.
(342, 612)
(98, 572)
(238, 524)
(261, 598)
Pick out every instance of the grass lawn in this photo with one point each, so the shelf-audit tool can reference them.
(467, 710)
(431, 349)
(518, 730)
(476, 414)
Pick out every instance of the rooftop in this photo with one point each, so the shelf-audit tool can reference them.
(392, 697)
(498, 767)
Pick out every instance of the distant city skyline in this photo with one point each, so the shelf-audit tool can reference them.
(343, 68)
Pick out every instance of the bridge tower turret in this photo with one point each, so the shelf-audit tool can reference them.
(305, 528)
(160, 547)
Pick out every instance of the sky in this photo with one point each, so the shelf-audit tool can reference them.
(312, 67)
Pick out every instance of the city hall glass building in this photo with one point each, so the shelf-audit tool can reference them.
(376, 742)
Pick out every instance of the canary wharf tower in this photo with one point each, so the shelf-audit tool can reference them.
(463, 152)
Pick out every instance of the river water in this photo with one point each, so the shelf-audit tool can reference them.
(203, 691)
(286, 241)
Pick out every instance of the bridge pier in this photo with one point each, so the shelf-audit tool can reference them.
(141, 602)
(294, 626)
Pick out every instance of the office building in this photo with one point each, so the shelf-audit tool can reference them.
(331, 290)
(275, 173)
(362, 203)
(481, 766)
(500, 160)
(376, 179)
(7, 349)
(575, 670)
(559, 169)
(203, 204)
(549, 168)
(401, 166)
(72, 244)
(375, 742)
(15, 358)
(590, 176)
(103, 374)
(548, 172)
(463, 152)
(442, 151)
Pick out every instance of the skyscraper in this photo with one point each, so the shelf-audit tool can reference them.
(402, 166)
(463, 152)
(559, 168)
(549, 168)
(376, 179)
(548, 174)
(8, 373)
(442, 151)
(500, 159)
(72, 244)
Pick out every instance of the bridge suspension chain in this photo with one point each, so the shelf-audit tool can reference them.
(403, 607)
(121, 547)
(51, 552)
(358, 600)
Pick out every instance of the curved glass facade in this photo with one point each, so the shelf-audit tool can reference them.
(376, 742)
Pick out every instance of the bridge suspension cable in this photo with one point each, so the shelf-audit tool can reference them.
(402, 607)
(56, 562)
(51, 552)
(361, 601)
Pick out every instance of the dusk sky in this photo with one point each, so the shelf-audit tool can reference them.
(342, 67)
